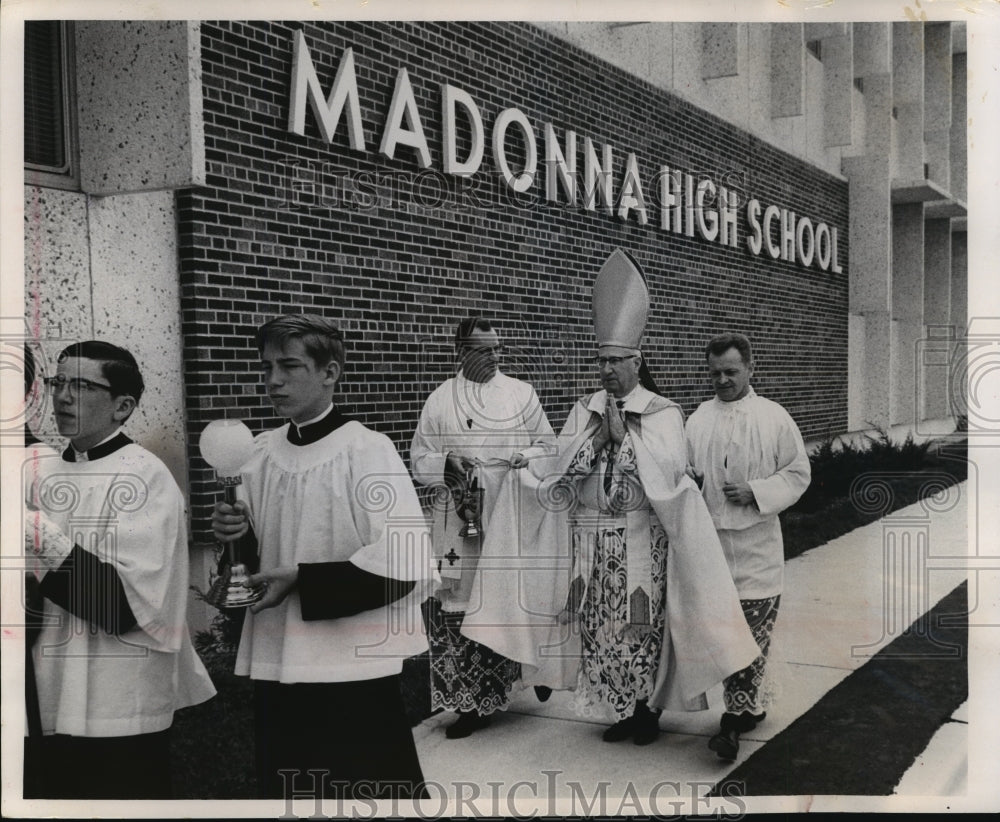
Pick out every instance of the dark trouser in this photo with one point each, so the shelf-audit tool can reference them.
(355, 733)
(98, 767)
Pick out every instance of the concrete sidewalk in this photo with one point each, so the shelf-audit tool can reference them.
(842, 603)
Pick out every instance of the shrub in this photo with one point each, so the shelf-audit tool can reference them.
(908, 471)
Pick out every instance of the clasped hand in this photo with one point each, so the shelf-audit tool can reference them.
(612, 427)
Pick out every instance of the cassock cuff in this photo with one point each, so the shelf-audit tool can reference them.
(90, 589)
(328, 590)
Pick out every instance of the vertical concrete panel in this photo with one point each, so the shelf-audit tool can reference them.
(908, 261)
(872, 53)
(756, 79)
(820, 31)
(958, 399)
(137, 305)
(870, 389)
(878, 116)
(720, 50)
(937, 73)
(907, 305)
(622, 45)
(937, 102)
(959, 149)
(935, 371)
(908, 63)
(879, 366)
(139, 102)
(940, 334)
(937, 272)
(838, 85)
(869, 234)
(660, 44)
(893, 377)
(58, 308)
(787, 69)
(859, 122)
(815, 125)
(909, 339)
(909, 156)
(856, 355)
(959, 281)
(687, 46)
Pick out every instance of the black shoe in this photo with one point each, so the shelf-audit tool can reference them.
(726, 744)
(543, 692)
(468, 723)
(621, 730)
(647, 725)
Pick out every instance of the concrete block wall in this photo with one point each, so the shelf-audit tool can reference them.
(398, 263)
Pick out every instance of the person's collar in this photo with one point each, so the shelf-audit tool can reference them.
(462, 378)
(316, 428)
(111, 443)
(737, 404)
(315, 419)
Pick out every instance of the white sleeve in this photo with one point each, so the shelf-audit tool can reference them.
(426, 460)
(780, 490)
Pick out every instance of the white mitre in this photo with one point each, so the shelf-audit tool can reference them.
(621, 302)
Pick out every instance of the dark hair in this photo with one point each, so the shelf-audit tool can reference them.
(719, 345)
(466, 327)
(29, 369)
(320, 337)
(118, 366)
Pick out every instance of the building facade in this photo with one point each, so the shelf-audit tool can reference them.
(802, 183)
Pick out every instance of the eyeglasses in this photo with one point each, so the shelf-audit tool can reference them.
(74, 384)
(614, 362)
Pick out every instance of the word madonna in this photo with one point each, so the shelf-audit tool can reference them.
(689, 205)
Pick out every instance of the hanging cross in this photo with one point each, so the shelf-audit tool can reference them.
(451, 556)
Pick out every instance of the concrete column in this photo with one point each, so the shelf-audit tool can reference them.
(878, 116)
(788, 66)
(937, 102)
(720, 50)
(838, 86)
(939, 333)
(908, 99)
(910, 157)
(907, 305)
(908, 62)
(959, 317)
(869, 294)
(872, 49)
(959, 112)
(140, 83)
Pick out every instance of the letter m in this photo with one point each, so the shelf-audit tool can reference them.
(327, 112)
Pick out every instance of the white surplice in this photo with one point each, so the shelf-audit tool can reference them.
(751, 440)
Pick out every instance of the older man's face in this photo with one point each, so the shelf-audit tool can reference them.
(619, 369)
(730, 376)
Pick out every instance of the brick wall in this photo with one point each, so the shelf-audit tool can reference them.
(410, 252)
